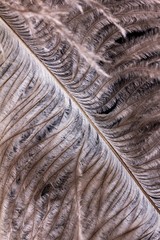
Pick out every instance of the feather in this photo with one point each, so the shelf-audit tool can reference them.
(79, 119)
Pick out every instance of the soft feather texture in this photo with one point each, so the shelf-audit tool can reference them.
(79, 148)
